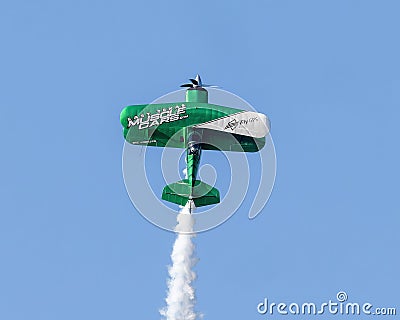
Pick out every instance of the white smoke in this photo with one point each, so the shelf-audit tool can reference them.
(181, 293)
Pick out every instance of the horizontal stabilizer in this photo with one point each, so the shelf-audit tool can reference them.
(180, 192)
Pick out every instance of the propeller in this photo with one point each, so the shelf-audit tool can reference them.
(196, 83)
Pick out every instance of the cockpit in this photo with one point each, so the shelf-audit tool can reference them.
(194, 149)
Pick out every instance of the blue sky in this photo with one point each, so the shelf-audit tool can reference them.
(327, 73)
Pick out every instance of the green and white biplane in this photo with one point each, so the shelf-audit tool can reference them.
(194, 125)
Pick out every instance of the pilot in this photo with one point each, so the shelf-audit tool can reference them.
(194, 149)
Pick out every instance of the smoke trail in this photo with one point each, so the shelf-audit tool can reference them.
(181, 294)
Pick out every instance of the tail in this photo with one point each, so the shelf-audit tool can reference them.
(201, 193)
